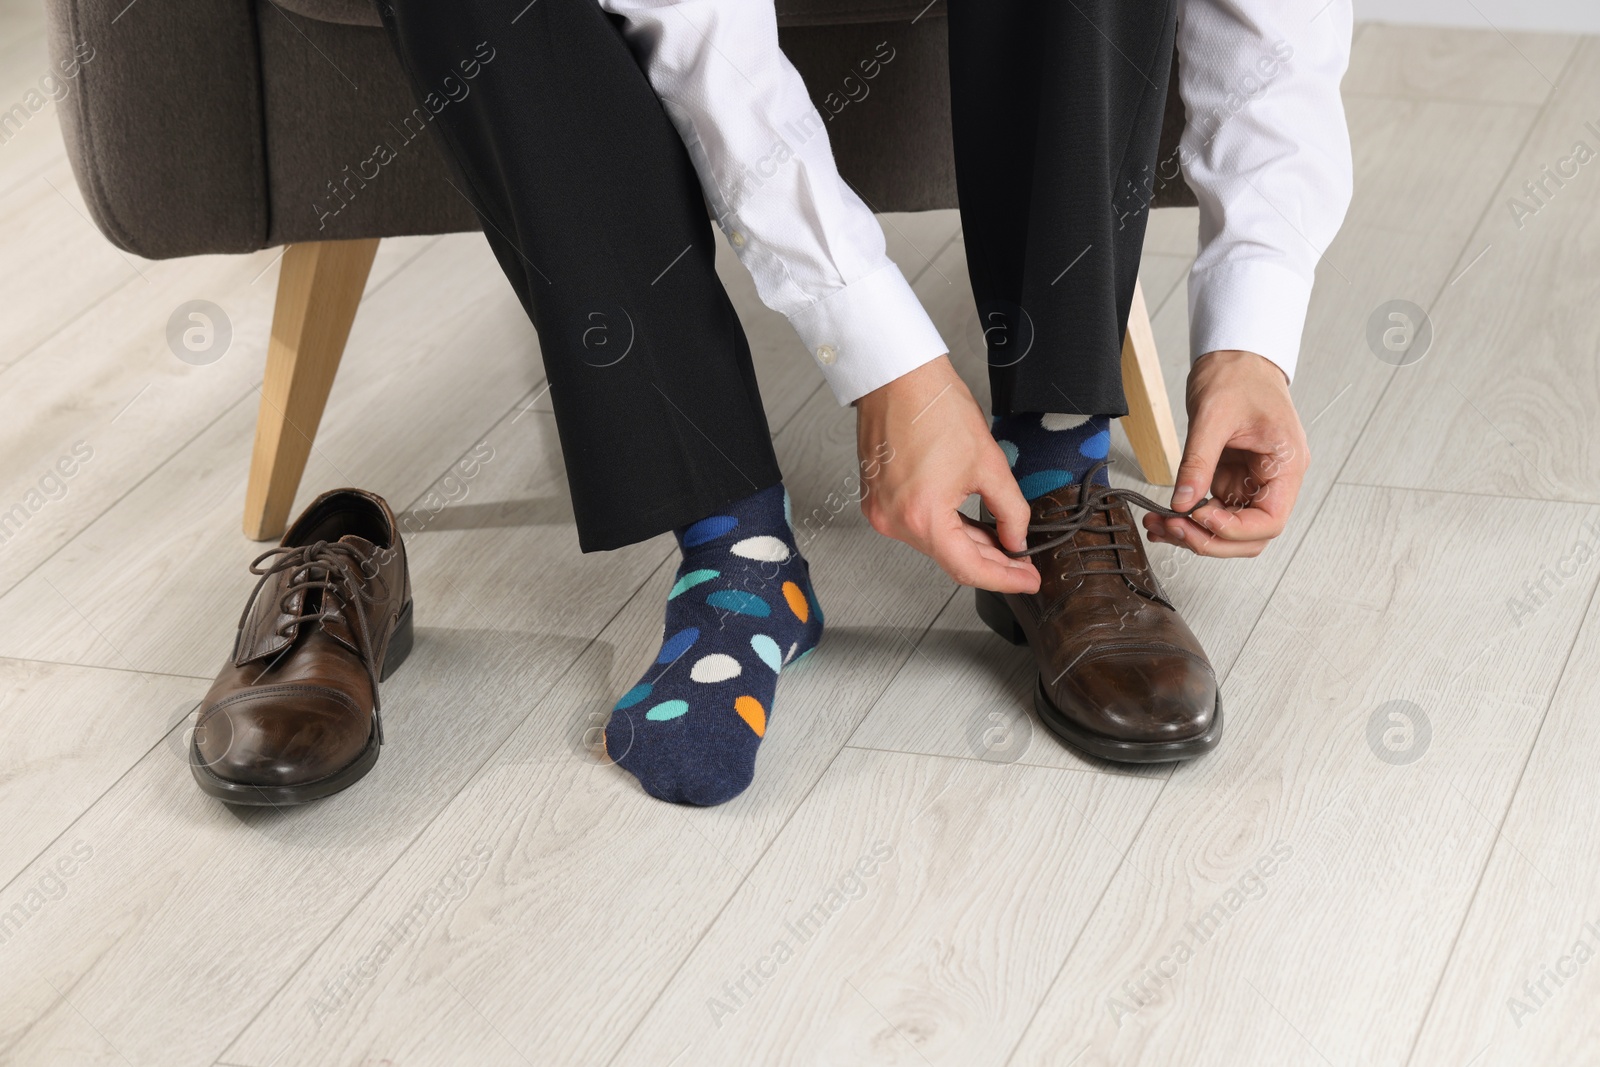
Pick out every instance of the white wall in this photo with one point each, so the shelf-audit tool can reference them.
(1565, 16)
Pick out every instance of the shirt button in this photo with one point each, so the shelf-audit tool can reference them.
(827, 354)
(737, 238)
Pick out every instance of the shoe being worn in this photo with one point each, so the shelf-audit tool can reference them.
(293, 716)
(1121, 676)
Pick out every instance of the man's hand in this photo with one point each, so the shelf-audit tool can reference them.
(1245, 446)
(925, 448)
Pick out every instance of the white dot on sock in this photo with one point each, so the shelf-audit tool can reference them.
(1054, 421)
(715, 668)
(766, 549)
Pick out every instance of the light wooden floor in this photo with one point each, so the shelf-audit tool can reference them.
(493, 895)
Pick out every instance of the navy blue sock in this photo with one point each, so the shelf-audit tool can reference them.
(1048, 451)
(740, 610)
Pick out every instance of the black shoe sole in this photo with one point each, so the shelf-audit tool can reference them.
(996, 614)
(280, 796)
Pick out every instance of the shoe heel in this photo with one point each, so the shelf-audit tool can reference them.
(996, 615)
(399, 645)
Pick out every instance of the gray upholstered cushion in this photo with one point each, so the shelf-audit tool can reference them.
(208, 126)
(163, 125)
(343, 12)
(331, 94)
(893, 144)
(790, 12)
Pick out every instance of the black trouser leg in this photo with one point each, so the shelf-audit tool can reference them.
(1056, 108)
(592, 207)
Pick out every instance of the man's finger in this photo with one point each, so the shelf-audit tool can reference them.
(1204, 542)
(1005, 502)
(1244, 524)
(962, 558)
(1201, 452)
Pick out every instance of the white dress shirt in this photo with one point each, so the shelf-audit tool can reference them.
(1271, 172)
(1267, 153)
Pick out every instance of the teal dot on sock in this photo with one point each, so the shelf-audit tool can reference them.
(1039, 483)
(633, 696)
(739, 602)
(768, 650)
(667, 709)
(690, 580)
(1011, 452)
(1096, 445)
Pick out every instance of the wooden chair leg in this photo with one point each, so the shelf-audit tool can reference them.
(1148, 423)
(319, 288)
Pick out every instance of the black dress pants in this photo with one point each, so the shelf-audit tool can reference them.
(1056, 108)
(593, 210)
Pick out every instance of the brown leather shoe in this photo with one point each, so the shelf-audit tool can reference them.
(1120, 675)
(293, 716)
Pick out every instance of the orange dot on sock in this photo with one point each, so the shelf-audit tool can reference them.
(797, 601)
(754, 715)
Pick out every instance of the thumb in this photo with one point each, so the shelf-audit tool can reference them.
(1201, 452)
(1005, 502)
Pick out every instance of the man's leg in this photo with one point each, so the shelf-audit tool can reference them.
(593, 209)
(1057, 112)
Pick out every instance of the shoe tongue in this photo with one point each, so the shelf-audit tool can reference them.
(338, 625)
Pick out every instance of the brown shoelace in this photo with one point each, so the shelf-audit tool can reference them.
(337, 569)
(1095, 499)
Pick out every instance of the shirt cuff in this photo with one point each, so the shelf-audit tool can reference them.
(868, 334)
(1251, 305)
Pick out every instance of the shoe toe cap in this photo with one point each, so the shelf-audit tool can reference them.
(1149, 698)
(281, 735)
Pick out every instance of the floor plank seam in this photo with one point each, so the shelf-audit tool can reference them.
(76, 819)
(254, 389)
(1156, 308)
(444, 807)
(1111, 879)
(68, 324)
(1321, 503)
(915, 649)
(942, 249)
(226, 409)
(396, 272)
(1489, 202)
(777, 834)
(1471, 493)
(1377, 402)
(101, 667)
(1104, 772)
(1399, 98)
(1494, 845)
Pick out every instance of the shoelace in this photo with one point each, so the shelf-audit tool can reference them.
(336, 568)
(1096, 499)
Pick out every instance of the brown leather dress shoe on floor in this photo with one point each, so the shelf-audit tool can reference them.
(1120, 675)
(293, 716)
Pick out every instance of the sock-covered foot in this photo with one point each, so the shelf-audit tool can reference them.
(740, 610)
(1048, 451)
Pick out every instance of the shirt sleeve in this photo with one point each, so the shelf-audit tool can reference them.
(761, 150)
(1266, 151)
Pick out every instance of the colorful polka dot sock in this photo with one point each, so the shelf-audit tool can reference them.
(1048, 451)
(740, 611)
